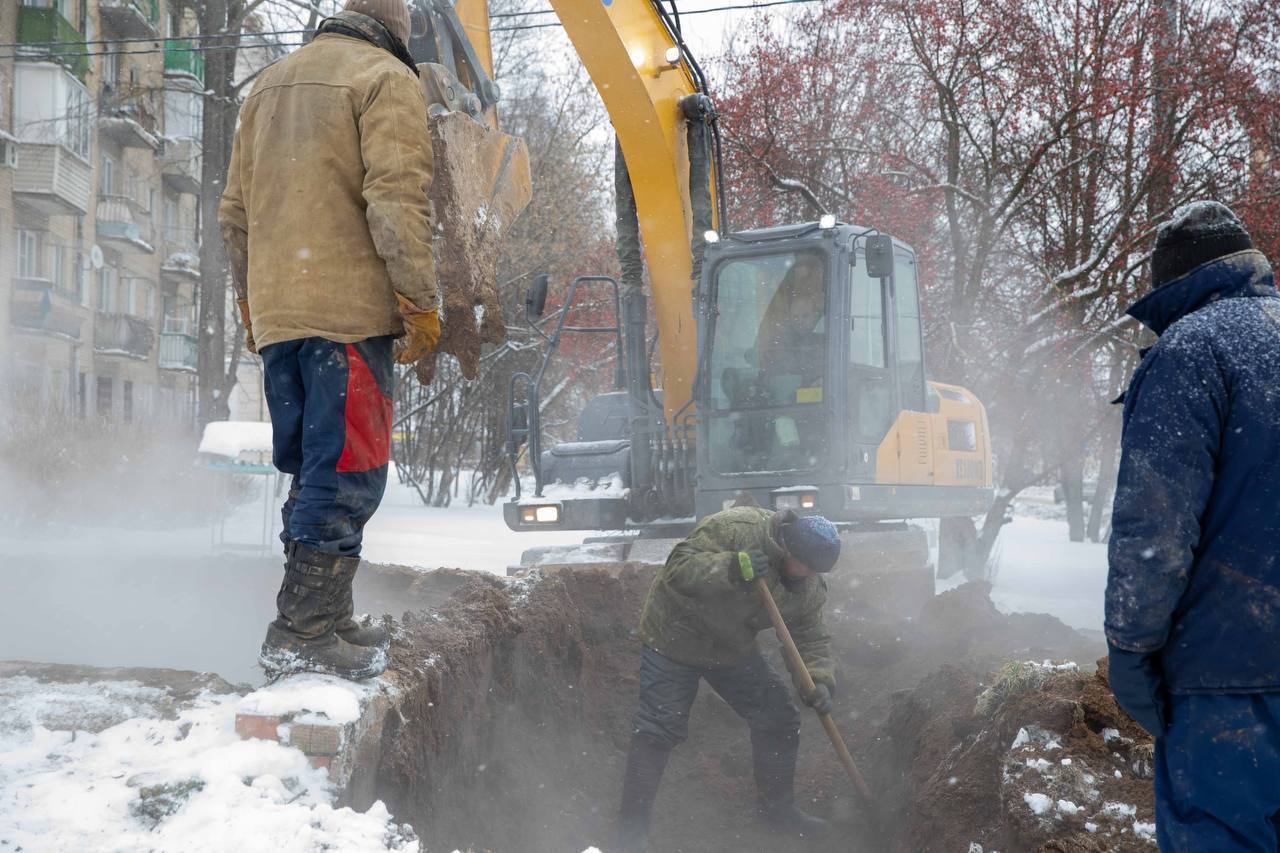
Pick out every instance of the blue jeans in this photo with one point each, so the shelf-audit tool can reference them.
(1218, 774)
(331, 429)
(753, 689)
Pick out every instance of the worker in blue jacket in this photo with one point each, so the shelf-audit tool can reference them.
(1193, 594)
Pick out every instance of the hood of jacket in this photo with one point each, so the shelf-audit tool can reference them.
(356, 25)
(1242, 274)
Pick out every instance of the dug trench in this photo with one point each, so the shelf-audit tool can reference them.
(511, 718)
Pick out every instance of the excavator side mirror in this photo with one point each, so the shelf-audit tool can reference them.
(879, 249)
(535, 298)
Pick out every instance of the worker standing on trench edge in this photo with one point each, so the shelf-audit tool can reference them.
(328, 229)
(700, 621)
(1193, 594)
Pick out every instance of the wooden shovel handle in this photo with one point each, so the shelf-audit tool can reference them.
(806, 683)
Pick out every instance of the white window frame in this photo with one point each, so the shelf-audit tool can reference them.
(30, 245)
(59, 275)
(107, 175)
(107, 284)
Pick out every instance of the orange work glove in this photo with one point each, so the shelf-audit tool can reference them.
(248, 326)
(422, 330)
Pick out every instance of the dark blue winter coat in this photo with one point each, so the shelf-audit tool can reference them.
(1195, 543)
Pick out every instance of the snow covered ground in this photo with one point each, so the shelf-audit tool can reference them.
(407, 533)
(96, 766)
(1039, 571)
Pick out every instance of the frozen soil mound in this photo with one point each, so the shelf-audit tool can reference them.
(512, 720)
(1042, 758)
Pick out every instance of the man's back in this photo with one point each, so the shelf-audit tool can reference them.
(1196, 568)
(331, 169)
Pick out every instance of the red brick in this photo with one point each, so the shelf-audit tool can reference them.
(320, 762)
(257, 726)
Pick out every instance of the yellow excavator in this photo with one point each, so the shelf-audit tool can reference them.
(790, 358)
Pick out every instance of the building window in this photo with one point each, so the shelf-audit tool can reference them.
(82, 395)
(127, 401)
(110, 69)
(151, 303)
(107, 289)
(79, 119)
(29, 254)
(60, 281)
(107, 178)
(104, 396)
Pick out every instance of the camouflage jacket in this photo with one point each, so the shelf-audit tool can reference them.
(698, 614)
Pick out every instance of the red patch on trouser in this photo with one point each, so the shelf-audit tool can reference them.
(368, 417)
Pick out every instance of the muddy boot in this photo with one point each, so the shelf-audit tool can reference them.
(646, 760)
(302, 638)
(347, 627)
(774, 756)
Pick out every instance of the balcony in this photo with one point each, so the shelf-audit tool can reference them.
(52, 179)
(123, 335)
(38, 305)
(40, 25)
(180, 165)
(178, 345)
(130, 18)
(128, 116)
(182, 253)
(122, 222)
(180, 58)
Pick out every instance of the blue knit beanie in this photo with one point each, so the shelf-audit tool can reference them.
(813, 541)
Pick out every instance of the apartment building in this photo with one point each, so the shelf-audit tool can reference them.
(100, 119)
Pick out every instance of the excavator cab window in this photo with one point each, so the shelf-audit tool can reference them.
(768, 363)
(884, 360)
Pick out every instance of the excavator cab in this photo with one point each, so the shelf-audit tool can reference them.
(815, 355)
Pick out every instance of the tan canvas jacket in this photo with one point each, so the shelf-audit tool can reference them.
(325, 214)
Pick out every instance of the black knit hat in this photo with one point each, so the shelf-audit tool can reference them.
(1197, 233)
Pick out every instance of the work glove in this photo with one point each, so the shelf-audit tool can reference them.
(749, 566)
(422, 331)
(1138, 685)
(250, 345)
(820, 699)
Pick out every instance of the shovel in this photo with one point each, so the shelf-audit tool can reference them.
(806, 683)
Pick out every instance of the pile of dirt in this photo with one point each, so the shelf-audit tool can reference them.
(1041, 759)
(512, 724)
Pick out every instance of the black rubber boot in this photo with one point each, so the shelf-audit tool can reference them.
(646, 761)
(355, 633)
(774, 757)
(302, 638)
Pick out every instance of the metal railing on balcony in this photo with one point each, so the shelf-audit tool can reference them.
(177, 350)
(43, 32)
(122, 334)
(183, 57)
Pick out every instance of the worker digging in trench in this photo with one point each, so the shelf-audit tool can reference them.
(328, 229)
(700, 621)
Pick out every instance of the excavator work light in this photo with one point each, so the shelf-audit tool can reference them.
(711, 237)
(673, 56)
(826, 222)
(540, 514)
(795, 500)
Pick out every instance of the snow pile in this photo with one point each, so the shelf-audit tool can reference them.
(233, 439)
(308, 695)
(76, 775)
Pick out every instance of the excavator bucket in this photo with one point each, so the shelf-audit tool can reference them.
(482, 183)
